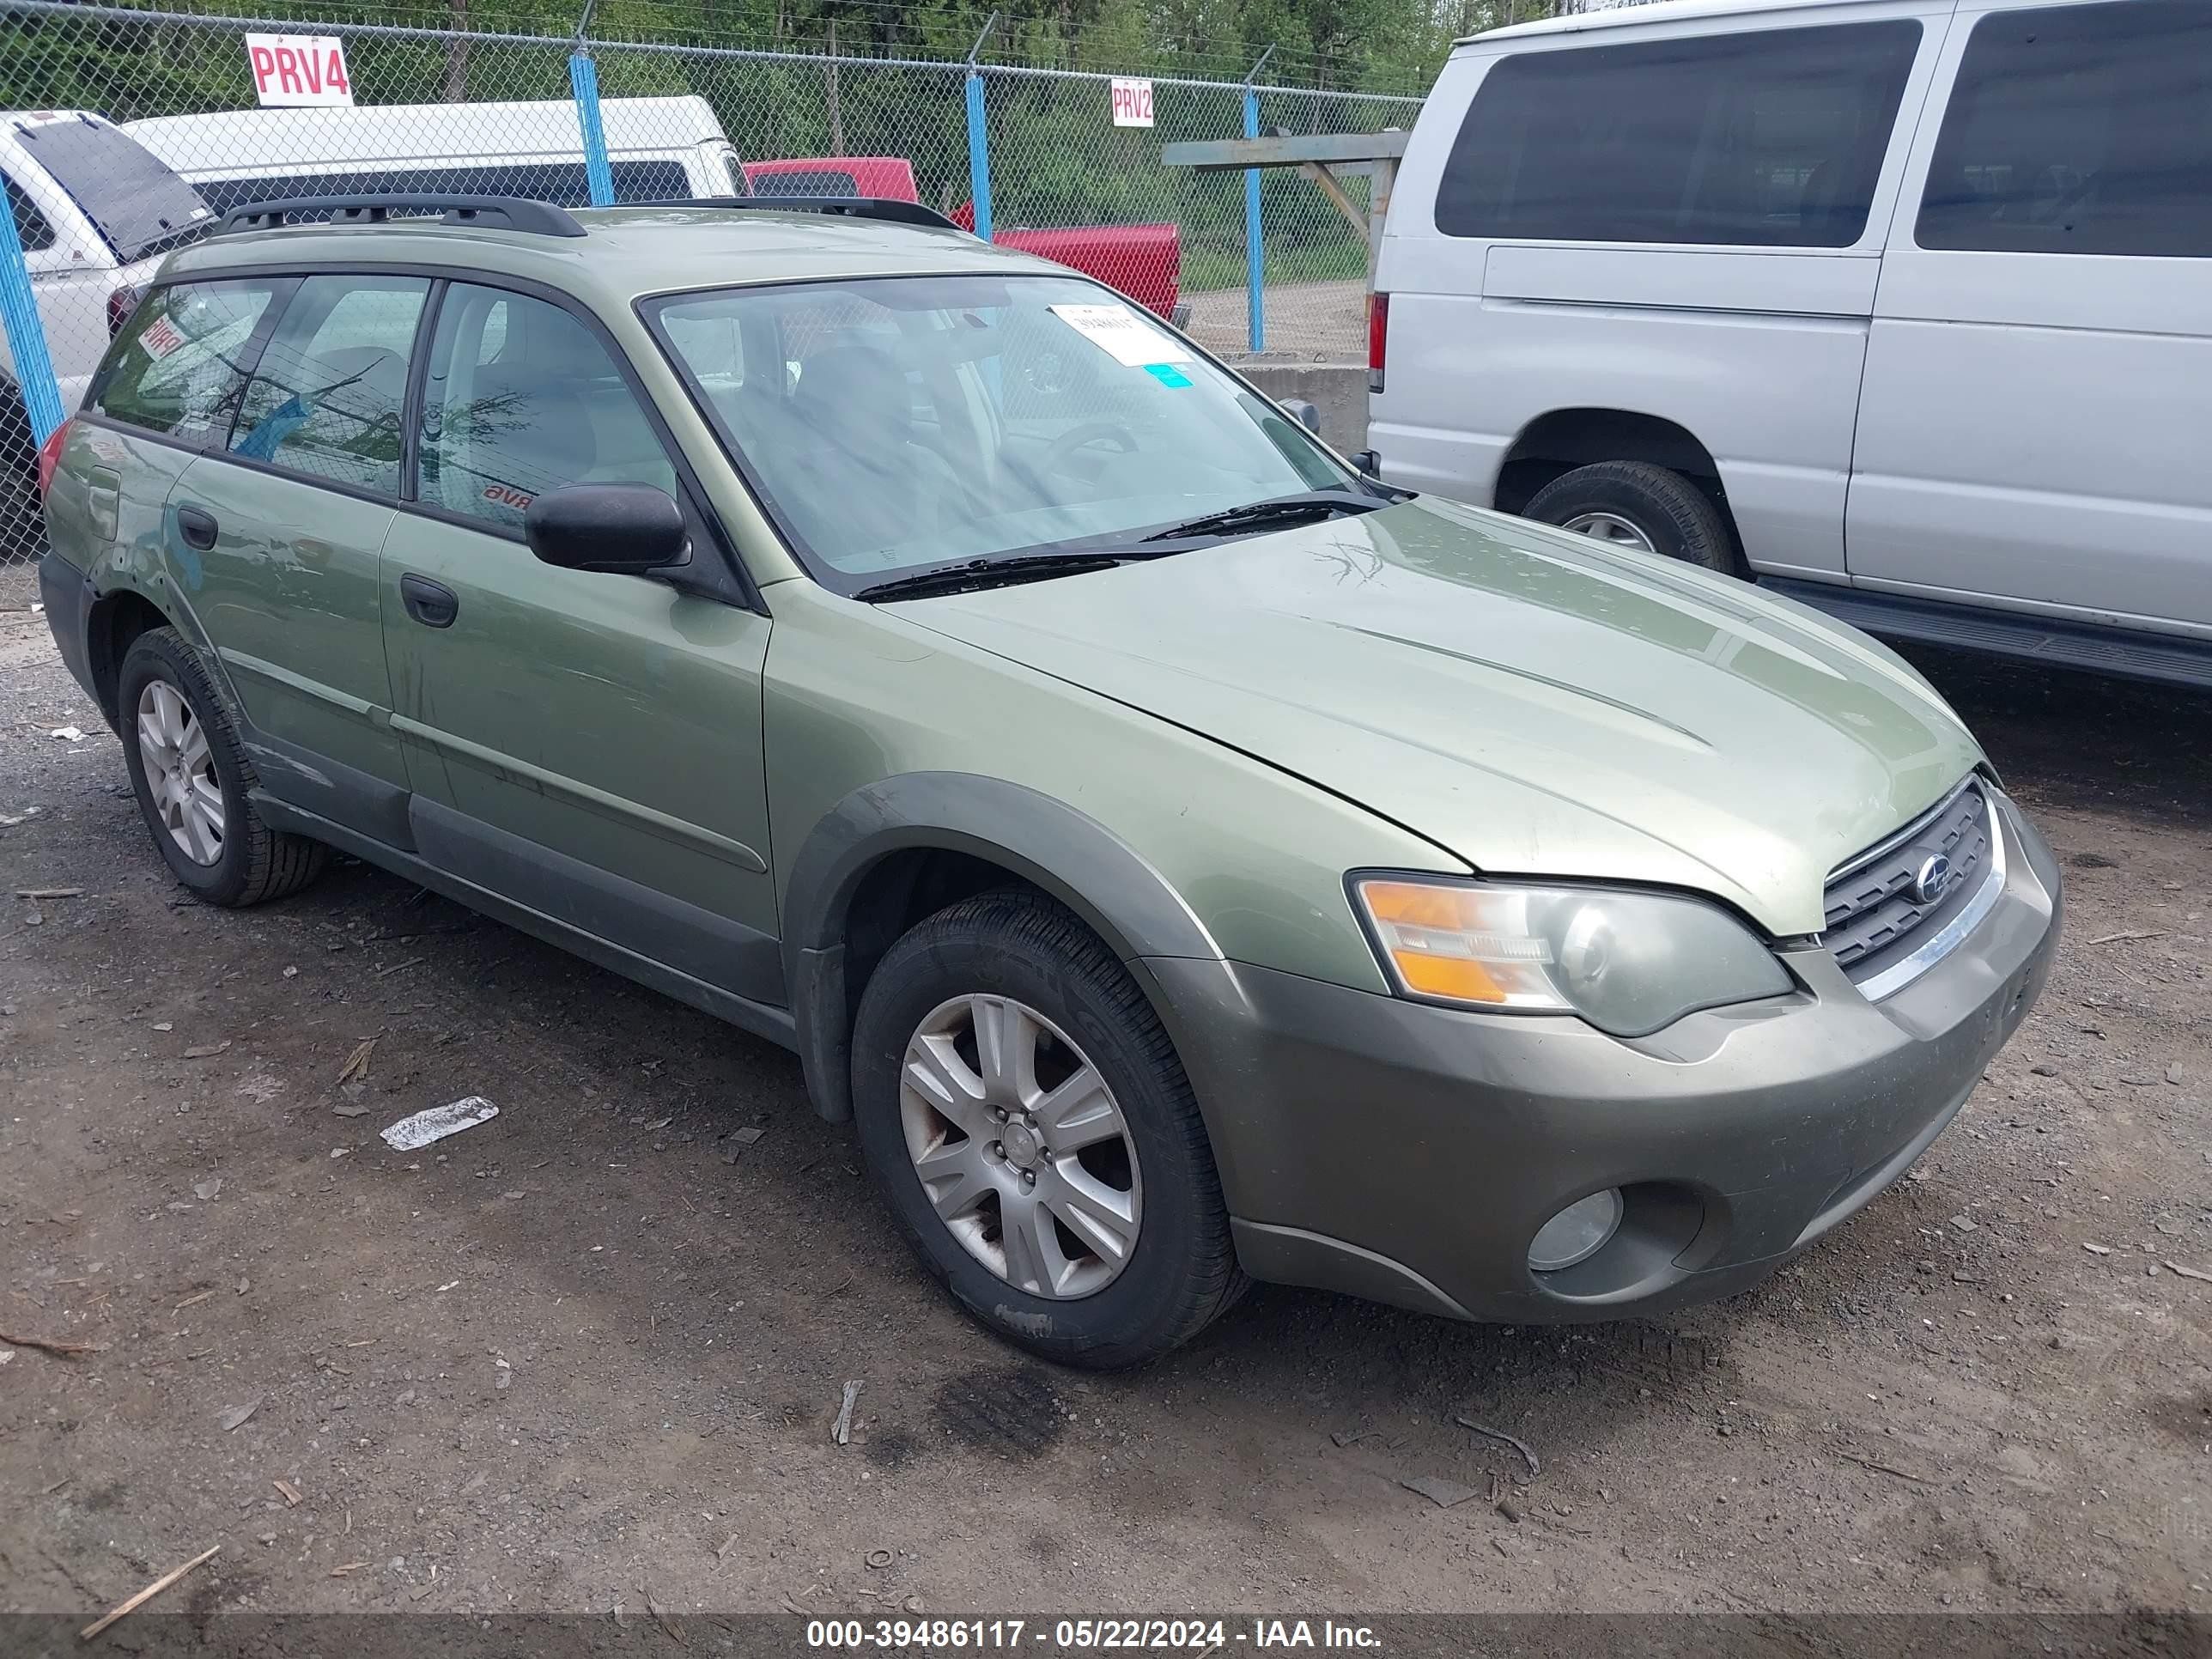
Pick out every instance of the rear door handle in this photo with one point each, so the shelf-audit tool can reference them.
(197, 526)
(429, 602)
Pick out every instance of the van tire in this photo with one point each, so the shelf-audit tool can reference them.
(1668, 510)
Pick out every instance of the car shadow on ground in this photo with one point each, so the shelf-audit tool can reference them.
(2076, 740)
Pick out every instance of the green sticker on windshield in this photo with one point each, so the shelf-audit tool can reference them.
(1167, 373)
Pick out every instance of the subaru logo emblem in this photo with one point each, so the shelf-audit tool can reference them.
(1929, 880)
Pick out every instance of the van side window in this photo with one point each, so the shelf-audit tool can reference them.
(178, 367)
(31, 227)
(520, 398)
(2078, 129)
(1767, 138)
(562, 183)
(327, 395)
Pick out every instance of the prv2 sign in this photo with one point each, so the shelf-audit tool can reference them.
(294, 71)
(1132, 103)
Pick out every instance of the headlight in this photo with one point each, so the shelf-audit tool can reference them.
(1627, 962)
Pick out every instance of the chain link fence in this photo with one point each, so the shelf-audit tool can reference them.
(96, 206)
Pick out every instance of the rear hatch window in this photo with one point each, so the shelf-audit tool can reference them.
(137, 204)
(809, 181)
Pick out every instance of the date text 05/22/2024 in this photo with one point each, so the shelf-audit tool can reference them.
(1197, 1635)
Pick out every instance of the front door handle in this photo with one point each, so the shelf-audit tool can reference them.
(197, 526)
(429, 602)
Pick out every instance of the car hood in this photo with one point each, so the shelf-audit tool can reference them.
(1531, 702)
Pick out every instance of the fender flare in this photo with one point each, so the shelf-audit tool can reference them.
(1078, 860)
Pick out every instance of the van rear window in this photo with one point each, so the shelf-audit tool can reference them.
(137, 204)
(562, 183)
(1769, 138)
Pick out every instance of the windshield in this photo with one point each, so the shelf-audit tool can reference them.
(897, 424)
(135, 202)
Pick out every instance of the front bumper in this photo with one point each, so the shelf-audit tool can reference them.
(1410, 1153)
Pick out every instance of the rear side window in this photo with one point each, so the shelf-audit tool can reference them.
(1771, 138)
(562, 183)
(520, 398)
(178, 367)
(2078, 129)
(327, 395)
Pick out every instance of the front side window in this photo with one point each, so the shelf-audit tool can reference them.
(2078, 129)
(895, 424)
(1768, 138)
(327, 395)
(178, 366)
(521, 398)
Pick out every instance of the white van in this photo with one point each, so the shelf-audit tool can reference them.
(658, 150)
(1904, 306)
(96, 213)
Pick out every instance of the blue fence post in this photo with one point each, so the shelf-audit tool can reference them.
(1255, 251)
(979, 136)
(584, 78)
(26, 336)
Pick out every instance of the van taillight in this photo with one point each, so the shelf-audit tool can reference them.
(1378, 337)
(121, 302)
(50, 456)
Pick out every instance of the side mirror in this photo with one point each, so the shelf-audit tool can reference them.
(1301, 411)
(629, 528)
(1368, 462)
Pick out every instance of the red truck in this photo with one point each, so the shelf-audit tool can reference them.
(1142, 261)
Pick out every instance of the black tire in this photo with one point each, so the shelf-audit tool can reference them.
(1676, 517)
(255, 862)
(1182, 1272)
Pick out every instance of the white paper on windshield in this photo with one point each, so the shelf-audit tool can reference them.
(1116, 331)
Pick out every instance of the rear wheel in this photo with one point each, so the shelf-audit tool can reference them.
(193, 779)
(1025, 1116)
(1634, 504)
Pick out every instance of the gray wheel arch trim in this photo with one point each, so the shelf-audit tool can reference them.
(1078, 860)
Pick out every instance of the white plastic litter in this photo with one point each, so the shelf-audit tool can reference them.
(67, 734)
(411, 1133)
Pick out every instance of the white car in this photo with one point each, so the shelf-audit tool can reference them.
(1902, 307)
(96, 213)
(658, 150)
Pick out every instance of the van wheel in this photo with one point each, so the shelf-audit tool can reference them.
(193, 780)
(1026, 1119)
(1634, 504)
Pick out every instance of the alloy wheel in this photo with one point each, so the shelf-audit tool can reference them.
(180, 766)
(1021, 1147)
(1611, 529)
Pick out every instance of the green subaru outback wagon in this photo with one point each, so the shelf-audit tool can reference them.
(1183, 859)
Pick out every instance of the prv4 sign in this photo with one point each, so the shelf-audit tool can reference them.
(1132, 103)
(293, 71)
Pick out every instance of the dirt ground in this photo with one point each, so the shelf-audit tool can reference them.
(590, 1352)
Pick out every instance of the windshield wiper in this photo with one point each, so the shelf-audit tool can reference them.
(1279, 512)
(973, 574)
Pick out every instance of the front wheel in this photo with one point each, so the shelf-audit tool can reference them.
(1634, 504)
(1024, 1115)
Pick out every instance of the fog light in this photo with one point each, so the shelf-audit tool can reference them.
(1578, 1232)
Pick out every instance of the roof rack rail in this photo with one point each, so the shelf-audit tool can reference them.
(491, 212)
(853, 207)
